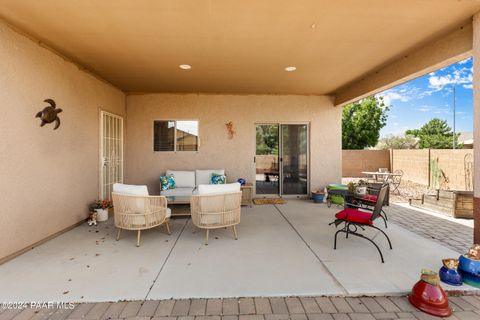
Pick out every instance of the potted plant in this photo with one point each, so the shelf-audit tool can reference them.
(318, 196)
(101, 208)
(361, 187)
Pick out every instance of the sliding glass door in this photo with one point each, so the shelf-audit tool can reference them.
(267, 159)
(294, 159)
(281, 159)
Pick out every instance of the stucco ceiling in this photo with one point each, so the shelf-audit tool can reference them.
(235, 46)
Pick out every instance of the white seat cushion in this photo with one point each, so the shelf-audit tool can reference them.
(179, 192)
(218, 188)
(130, 189)
(183, 179)
(133, 190)
(205, 176)
(169, 212)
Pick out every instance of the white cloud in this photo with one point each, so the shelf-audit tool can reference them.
(468, 86)
(424, 109)
(461, 76)
(396, 94)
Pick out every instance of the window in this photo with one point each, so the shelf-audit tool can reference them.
(173, 135)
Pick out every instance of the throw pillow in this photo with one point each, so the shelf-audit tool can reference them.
(218, 179)
(167, 182)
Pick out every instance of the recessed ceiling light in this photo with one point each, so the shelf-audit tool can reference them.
(290, 69)
(185, 66)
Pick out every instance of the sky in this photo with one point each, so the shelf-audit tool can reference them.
(414, 103)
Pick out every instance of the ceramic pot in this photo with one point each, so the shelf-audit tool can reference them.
(102, 214)
(361, 190)
(450, 276)
(470, 270)
(318, 197)
(430, 299)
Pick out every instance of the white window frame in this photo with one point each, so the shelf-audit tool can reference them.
(175, 136)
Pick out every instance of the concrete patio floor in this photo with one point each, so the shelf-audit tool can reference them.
(283, 250)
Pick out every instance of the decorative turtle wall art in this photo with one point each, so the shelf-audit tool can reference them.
(50, 114)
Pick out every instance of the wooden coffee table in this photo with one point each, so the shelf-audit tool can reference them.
(178, 200)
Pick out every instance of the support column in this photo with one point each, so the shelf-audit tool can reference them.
(476, 127)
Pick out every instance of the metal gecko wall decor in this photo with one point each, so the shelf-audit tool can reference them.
(50, 114)
(230, 129)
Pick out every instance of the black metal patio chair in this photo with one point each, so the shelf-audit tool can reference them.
(369, 200)
(396, 180)
(354, 218)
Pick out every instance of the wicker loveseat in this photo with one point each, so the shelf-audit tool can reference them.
(216, 206)
(134, 209)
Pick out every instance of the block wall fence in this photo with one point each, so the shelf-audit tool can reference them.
(437, 168)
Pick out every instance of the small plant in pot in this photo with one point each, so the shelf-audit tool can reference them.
(361, 187)
(101, 208)
(318, 196)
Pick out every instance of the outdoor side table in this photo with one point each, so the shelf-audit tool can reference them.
(247, 194)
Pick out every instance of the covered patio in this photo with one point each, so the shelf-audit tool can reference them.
(134, 77)
(282, 250)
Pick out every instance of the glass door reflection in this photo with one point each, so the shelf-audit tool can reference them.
(267, 173)
(294, 159)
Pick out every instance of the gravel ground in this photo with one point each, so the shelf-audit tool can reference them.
(405, 191)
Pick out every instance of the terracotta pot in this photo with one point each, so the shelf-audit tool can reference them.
(430, 299)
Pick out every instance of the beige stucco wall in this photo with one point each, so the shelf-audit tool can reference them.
(47, 177)
(476, 105)
(413, 163)
(356, 161)
(143, 166)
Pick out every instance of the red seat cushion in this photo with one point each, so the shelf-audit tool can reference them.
(368, 198)
(354, 215)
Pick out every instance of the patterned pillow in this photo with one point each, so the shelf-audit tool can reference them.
(167, 182)
(218, 179)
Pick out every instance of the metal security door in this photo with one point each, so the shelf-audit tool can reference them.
(111, 152)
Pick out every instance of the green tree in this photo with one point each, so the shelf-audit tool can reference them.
(435, 134)
(362, 121)
(397, 142)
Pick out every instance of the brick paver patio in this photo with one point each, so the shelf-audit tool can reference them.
(294, 308)
(452, 235)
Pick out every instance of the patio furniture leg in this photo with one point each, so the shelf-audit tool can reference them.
(118, 233)
(384, 220)
(168, 227)
(335, 242)
(138, 238)
(206, 236)
(384, 214)
(235, 232)
(388, 239)
(373, 242)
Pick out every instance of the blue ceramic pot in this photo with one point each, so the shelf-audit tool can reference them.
(450, 276)
(469, 265)
(470, 271)
(318, 198)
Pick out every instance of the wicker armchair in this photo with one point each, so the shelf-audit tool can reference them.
(133, 212)
(214, 211)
